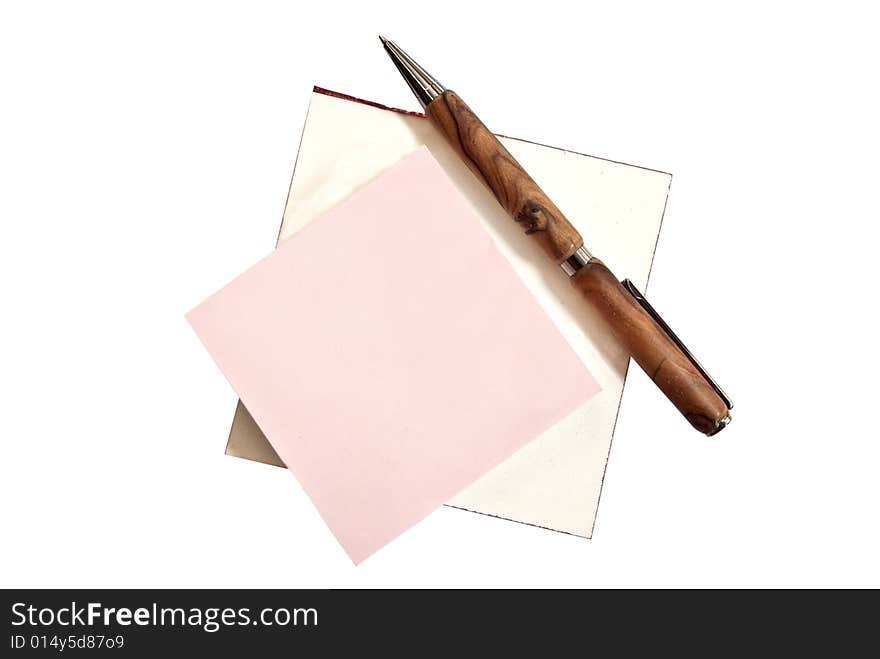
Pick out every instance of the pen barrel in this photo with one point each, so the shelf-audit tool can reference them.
(652, 348)
(634, 328)
(509, 182)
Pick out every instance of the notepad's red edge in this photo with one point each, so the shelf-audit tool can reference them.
(349, 97)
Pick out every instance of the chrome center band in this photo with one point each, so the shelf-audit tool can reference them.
(576, 261)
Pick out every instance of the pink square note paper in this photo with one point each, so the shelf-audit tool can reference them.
(390, 354)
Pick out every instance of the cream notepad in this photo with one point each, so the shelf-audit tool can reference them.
(555, 481)
(385, 381)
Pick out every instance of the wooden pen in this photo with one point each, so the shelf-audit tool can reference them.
(632, 321)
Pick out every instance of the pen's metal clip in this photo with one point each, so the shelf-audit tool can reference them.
(632, 290)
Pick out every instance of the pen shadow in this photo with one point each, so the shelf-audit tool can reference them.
(484, 202)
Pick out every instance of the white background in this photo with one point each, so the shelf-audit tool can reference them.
(145, 156)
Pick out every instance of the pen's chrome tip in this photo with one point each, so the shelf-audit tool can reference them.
(423, 84)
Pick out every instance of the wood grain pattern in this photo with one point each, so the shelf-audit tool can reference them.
(633, 327)
(651, 348)
(512, 186)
